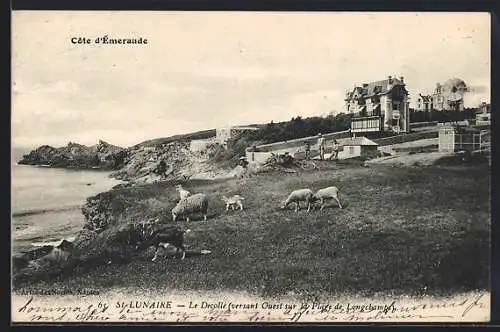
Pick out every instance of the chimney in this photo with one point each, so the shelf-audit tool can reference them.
(402, 79)
(365, 85)
(389, 78)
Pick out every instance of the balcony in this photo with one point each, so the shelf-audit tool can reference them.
(366, 124)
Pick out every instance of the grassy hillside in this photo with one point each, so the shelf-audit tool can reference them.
(403, 230)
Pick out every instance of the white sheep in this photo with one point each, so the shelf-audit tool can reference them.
(299, 195)
(183, 193)
(327, 193)
(197, 203)
(235, 201)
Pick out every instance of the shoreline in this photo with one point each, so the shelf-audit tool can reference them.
(70, 168)
(60, 210)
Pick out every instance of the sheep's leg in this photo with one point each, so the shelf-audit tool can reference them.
(183, 249)
(241, 206)
(204, 217)
(338, 201)
(187, 219)
(227, 207)
(156, 254)
(322, 201)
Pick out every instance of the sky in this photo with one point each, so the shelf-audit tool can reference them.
(203, 70)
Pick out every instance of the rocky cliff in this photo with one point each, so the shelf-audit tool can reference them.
(143, 163)
(100, 156)
(116, 230)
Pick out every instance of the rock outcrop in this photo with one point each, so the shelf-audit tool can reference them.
(114, 243)
(100, 156)
(142, 163)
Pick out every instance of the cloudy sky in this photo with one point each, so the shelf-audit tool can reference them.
(203, 70)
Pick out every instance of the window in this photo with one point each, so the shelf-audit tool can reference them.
(395, 106)
(351, 150)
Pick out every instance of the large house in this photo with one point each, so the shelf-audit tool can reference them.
(379, 106)
(446, 97)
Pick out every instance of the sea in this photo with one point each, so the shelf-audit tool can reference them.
(46, 202)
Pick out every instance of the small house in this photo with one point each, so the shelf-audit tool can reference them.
(357, 147)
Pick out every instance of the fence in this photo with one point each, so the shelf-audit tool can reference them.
(423, 124)
(473, 141)
(298, 142)
(406, 138)
(455, 139)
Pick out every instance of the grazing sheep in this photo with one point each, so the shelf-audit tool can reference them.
(233, 201)
(169, 236)
(197, 203)
(183, 193)
(297, 196)
(326, 193)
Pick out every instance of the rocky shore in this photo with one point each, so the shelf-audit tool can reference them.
(100, 156)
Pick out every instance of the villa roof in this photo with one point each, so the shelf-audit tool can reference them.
(375, 88)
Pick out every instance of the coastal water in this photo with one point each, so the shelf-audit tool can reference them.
(45, 202)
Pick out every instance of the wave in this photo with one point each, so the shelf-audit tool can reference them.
(52, 243)
(42, 211)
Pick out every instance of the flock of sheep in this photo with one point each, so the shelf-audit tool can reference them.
(191, 204)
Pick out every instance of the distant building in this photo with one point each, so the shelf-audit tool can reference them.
(379, 106)
(446, 97)
(424, 103)
(483, 117)
(485, 107)
(224, 135)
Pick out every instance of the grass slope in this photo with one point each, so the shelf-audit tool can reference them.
(403, 230)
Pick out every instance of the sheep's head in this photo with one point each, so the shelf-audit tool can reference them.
(284, 204)
(224, 199)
